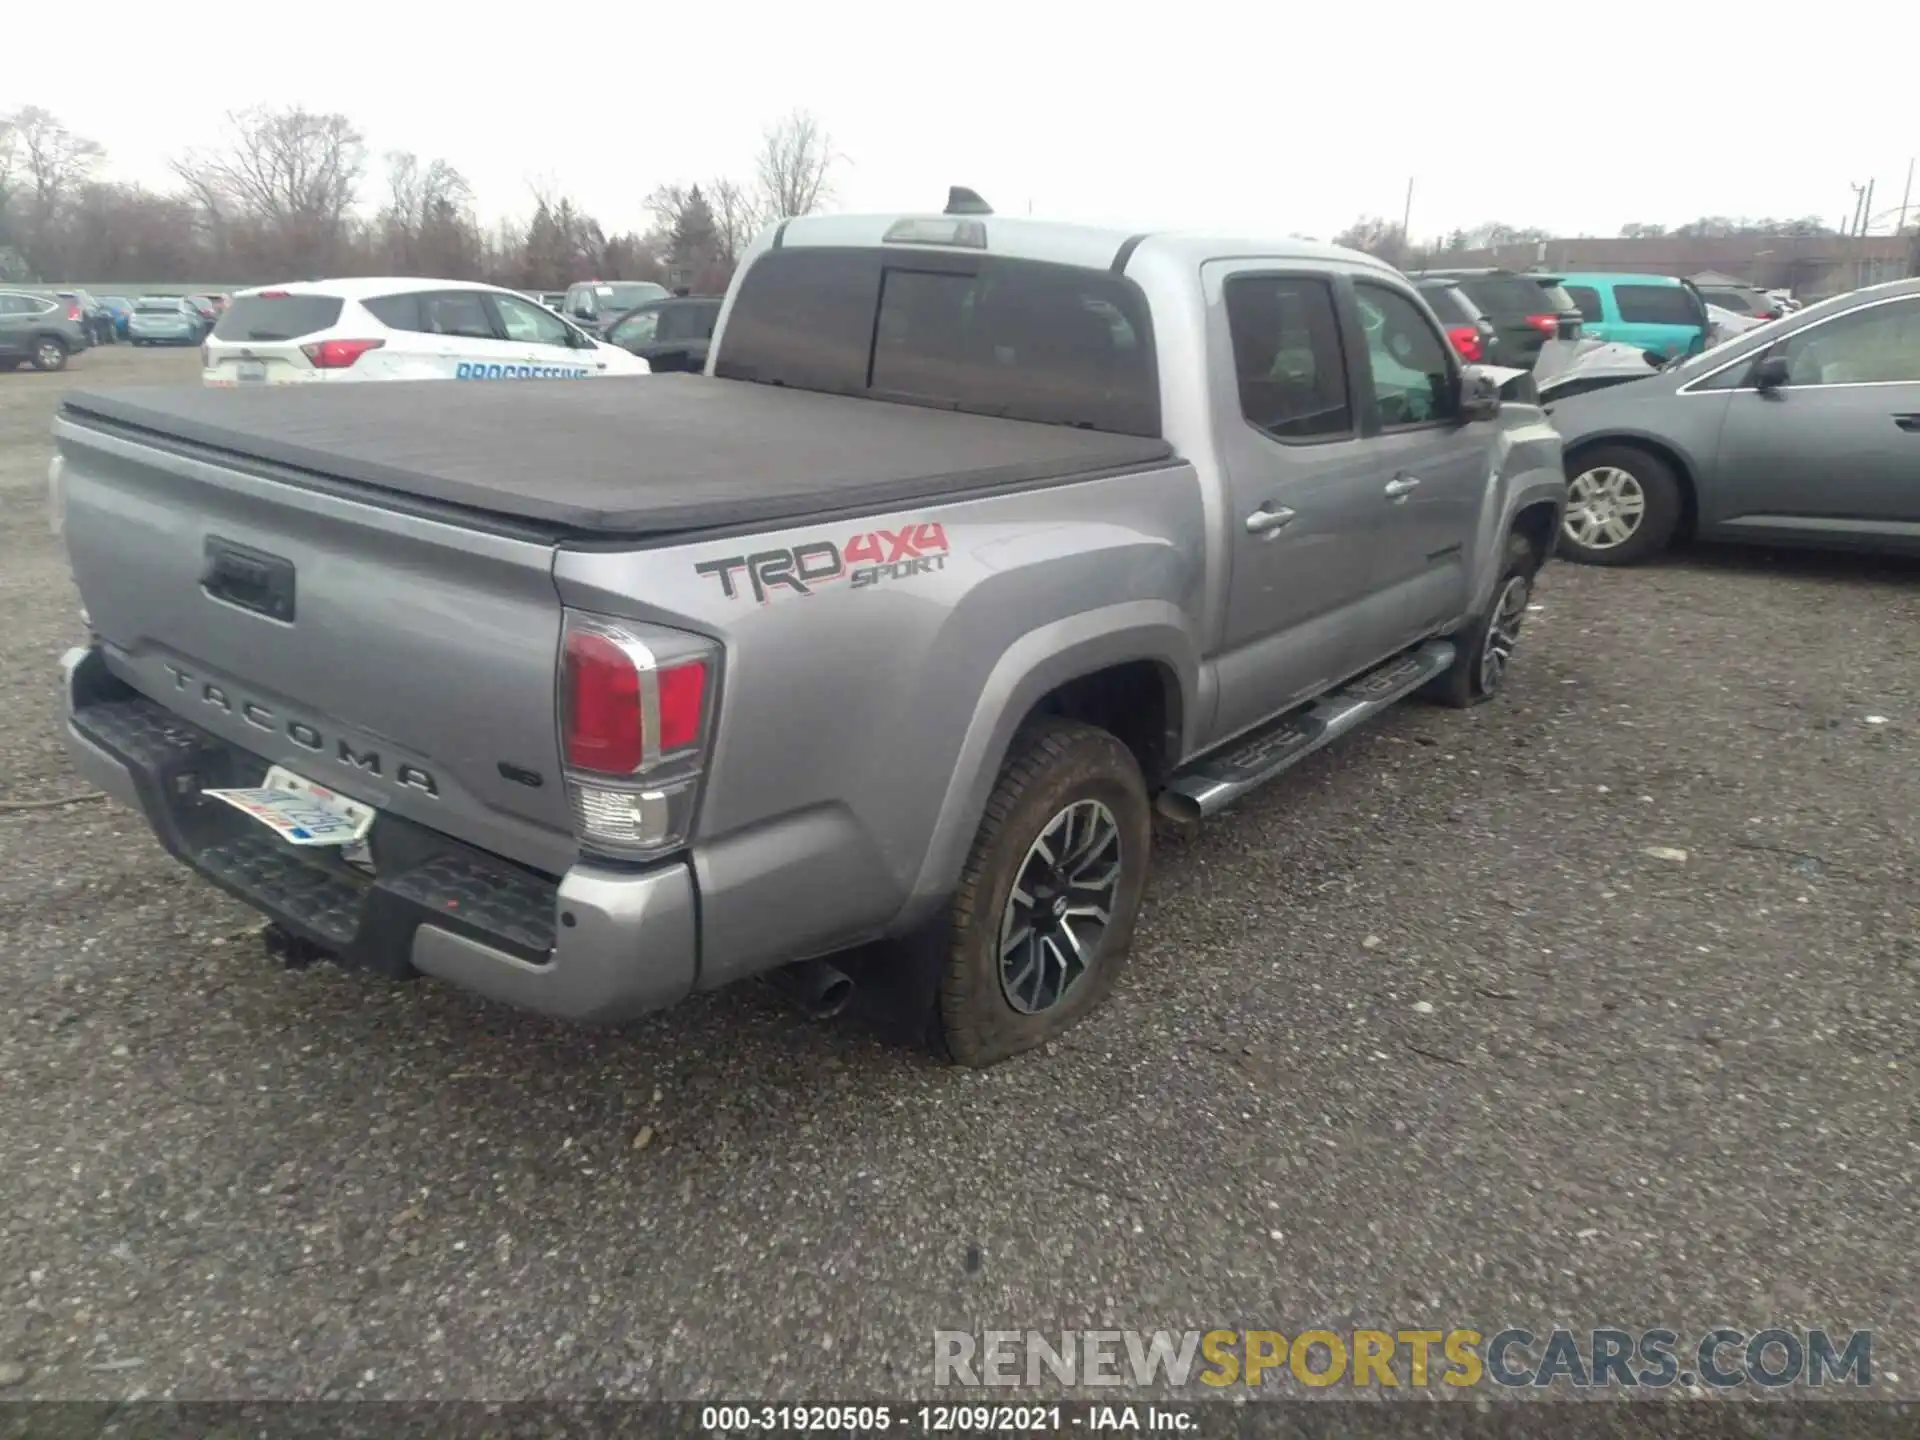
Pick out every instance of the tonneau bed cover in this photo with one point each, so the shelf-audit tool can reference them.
(643, 456)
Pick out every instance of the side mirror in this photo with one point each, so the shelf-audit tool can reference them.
(1771, 374)
(1479, 394)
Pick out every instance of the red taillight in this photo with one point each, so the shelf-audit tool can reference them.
(73, 312)
(1466, 339)
(601, 687)
(338, 354)
(682, 691)
(604, 701)
(1548, 325)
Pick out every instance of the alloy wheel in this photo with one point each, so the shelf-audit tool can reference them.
(49, 355)
(1605, 506)
(1062, 902)
(1503, 632)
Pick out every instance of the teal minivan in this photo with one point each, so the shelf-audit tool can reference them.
(1654, 312)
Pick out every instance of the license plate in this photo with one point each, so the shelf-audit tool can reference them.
(252, 372)
(301, 812)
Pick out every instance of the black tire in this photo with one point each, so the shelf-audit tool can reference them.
(49, 353)
(1055, 768)
(1472, 678)
(1659, 518)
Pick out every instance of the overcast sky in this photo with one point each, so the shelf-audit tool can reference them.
(1253, 119)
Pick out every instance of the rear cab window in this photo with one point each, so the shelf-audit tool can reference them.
(275, 317)
(985, 334)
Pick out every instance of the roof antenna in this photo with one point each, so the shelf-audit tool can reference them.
(962, 201)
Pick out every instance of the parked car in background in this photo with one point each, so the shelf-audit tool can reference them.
(595, 304)
(94, 317)
(1654, 312)
(165, 320)
(1570, 322)
(38, 330)
(121, 308)
(670, 335)
(554, 300)
(400, 329)
(1725, 324)
(1469, 330)
(205, 307)
(1522, 317)
(1804, 430)
(1742, 300)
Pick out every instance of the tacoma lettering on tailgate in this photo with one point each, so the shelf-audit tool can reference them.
(870, 558)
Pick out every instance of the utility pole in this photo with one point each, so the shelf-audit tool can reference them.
(1900, 226)
(1866, 210)
(1859, 194)
(1406, 216)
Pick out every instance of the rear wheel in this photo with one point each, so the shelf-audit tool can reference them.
(1623, 505)
(1044, 914)
(49, 353)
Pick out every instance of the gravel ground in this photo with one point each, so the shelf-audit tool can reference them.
(1421, 1035)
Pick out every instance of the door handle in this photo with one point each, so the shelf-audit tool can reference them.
(1401, 486)
(1268, 518)
(1909, 423)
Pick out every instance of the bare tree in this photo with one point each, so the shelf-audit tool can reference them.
(794, 167)
(735, 218)
(427, 224)
(55, 159)
(292, 172)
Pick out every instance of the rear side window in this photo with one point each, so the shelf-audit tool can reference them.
(1655, 305)
(456, 312)
(1557, 298)
(1505, 297)
(275, 317)
(396, 312)
(1288, 358)
(1587, 299)
(1018, 338)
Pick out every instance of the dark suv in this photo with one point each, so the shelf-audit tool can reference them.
(668, 334)
(39, 330)
(1522, 315)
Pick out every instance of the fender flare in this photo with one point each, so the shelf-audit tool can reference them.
(1036, 664)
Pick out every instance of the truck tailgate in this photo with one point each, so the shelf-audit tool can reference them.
(405, 661)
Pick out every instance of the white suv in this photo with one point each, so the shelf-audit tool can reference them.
(399, 329)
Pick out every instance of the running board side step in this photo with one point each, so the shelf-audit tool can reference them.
(1216, 780)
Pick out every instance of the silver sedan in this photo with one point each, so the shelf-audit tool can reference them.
(1803, 431)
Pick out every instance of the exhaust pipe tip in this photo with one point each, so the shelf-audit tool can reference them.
(1180, 808)
(819, 990)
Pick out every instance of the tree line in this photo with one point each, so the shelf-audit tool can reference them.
(1389, 242)
(288, 193)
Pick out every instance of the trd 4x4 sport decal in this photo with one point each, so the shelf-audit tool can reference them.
(867, 559)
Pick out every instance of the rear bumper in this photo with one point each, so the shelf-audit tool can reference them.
(599, 944)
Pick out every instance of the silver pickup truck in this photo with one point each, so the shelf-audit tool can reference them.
(979, 538)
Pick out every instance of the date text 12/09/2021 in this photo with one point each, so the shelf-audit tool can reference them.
(948, 1419)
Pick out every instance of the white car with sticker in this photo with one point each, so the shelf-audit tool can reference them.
(400, 329)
